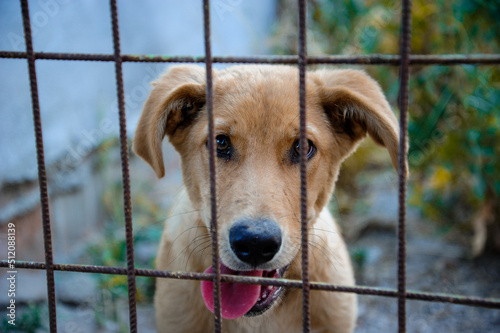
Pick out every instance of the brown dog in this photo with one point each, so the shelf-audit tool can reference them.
(257, 127)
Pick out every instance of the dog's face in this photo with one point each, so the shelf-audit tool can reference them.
(256, 118)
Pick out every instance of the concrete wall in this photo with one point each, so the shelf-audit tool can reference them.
(78, 99)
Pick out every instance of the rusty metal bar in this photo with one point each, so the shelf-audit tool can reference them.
(212, 170)
(370, 59)
(127, 205)
(361, 290)
(404, 72)
(302, 63)
(42, 175)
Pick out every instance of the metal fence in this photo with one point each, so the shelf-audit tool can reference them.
(404, 60)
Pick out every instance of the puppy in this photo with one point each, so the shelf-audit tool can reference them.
(256, 112)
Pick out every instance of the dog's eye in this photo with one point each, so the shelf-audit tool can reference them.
(295, 151)
(223, 146)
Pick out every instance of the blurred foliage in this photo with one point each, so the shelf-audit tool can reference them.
(110, 249)
(455, 149)
(113, 251)
(359, 258)
(28, 320)
(454, 110)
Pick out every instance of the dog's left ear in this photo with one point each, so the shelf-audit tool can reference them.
(355, 105)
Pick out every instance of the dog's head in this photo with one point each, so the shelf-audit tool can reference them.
(256, 112)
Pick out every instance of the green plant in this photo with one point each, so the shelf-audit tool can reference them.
(112, 250)
(28, 320)
(358, 257)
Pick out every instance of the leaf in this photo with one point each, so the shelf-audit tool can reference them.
(440, 179)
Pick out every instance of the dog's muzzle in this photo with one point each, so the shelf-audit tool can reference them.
(255, 243)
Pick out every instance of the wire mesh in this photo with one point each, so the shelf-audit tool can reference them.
(404, 60)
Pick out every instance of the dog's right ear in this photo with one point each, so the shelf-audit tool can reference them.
(172, 105)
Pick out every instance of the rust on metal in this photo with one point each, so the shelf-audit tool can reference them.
(42, 175)
(302, 63)
(212, 170)
(369, 59)
(127, 205)
(404, 77)
(361, 290)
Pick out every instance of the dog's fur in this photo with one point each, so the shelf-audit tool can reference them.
(258, 107)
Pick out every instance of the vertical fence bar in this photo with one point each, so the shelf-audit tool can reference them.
(302, 62)
(211, 150)
(405, 46)
(127, 206)
(42, 175)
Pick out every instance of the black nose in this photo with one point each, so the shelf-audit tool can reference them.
(255, 241)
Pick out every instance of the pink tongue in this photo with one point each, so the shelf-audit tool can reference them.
(236, 299)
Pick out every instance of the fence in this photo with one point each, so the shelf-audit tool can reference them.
(404, 60)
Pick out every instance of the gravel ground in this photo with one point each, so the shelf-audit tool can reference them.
(433, 265)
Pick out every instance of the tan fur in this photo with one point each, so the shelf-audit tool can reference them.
(257, 107)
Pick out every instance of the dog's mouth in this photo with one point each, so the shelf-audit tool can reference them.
(238, 299)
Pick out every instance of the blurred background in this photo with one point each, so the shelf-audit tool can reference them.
(453, 215)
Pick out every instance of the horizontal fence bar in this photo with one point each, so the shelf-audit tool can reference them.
(361, 290)
(372, 59)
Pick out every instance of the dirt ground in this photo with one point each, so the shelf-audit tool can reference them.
(434, 264)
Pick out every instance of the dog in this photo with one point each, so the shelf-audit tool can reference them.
(256, 121)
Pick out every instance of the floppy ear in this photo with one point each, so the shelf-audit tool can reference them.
(355, 105)
(172, 105)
